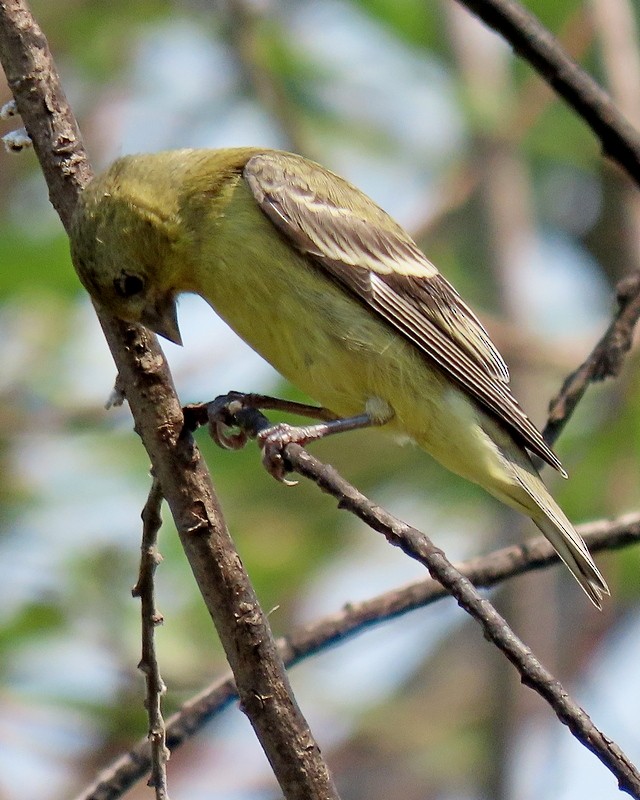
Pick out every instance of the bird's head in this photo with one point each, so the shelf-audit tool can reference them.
(122, 245)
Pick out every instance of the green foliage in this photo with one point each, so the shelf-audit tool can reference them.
(412, 21)
(94, 35)
(32, 621)
(559, 135)
(29, 264)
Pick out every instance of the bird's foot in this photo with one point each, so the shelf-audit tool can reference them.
(223, 420)
(273, 441)
(234, 418)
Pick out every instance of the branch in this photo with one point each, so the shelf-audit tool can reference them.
(419, 547)
(145, 590)
(604, 361)
(485, 571)
(242, 626)
(619, 139)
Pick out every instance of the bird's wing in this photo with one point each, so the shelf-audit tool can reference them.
(356, 243)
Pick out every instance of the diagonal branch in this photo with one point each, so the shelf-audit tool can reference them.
(418, 546)
(604, 361)
(537, 45)
(242, 626)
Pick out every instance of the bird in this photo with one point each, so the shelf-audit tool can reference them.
(333, 293)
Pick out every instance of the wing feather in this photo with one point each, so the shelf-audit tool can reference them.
(356, 243)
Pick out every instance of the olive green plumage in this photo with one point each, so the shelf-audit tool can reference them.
(333, 293)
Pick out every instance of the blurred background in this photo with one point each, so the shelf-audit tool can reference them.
(508, 193)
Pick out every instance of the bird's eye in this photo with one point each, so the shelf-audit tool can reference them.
(127, 285)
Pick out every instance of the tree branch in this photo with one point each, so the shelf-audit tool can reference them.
(537, 45)
(484, 571)
(150, 619)
(419, 547)
(604, 361)
(242, 626)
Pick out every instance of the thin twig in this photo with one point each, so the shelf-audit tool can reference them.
(604, 361)
(242, 626)
(150, 618)
(537, 45)
(484, 571)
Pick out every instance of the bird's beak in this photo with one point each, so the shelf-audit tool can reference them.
(162, 318)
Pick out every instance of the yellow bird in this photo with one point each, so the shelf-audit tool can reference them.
(333, 293)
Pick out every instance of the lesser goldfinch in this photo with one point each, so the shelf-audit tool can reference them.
(333, 293)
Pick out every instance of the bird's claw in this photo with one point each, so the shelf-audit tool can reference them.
(225, 437)
(272, 442)
(225, 422)
(221, 422)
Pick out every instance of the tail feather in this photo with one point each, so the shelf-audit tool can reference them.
(568, 543)
(572, 550)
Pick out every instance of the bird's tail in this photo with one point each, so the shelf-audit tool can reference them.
(553, 523)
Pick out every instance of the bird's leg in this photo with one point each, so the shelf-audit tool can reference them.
(275, 438)
(266, 402)
(236, 417)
